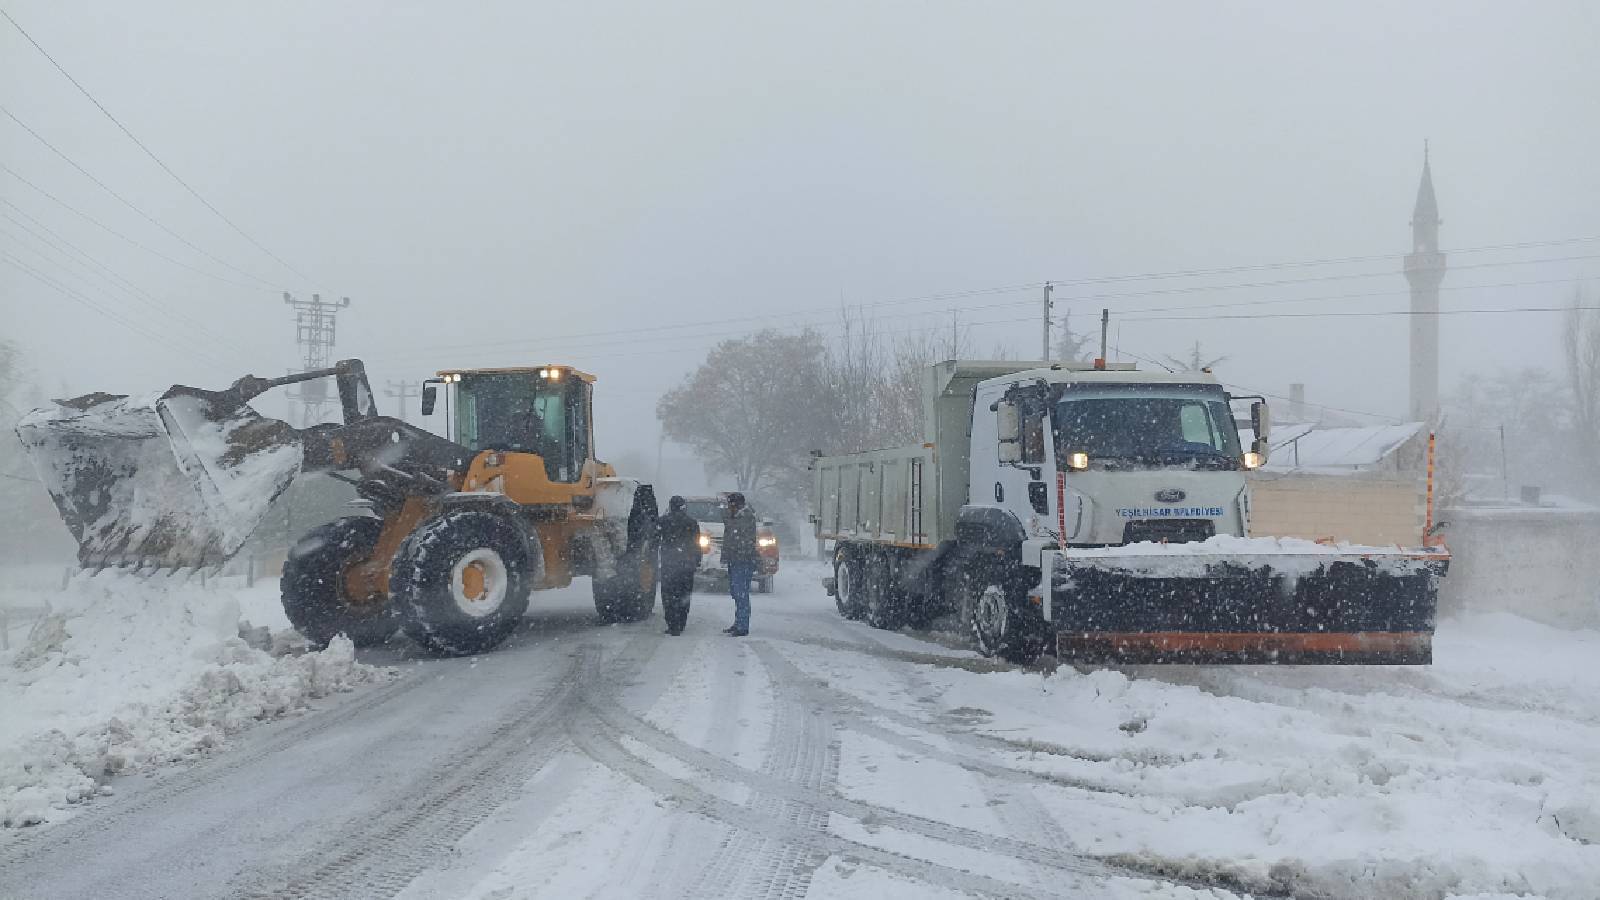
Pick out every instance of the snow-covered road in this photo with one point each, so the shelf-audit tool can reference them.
(821, 758)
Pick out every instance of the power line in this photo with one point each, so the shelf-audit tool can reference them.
(1307, 263)
(1351, 314)
(129, 324)
(1124, 313)
(128, 203)
(148, 152)
(115, 233)
(116, 279)
(653, 336)
(1195, 289)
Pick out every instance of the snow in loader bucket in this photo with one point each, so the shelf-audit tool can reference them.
(167, 481)
(1247, 600)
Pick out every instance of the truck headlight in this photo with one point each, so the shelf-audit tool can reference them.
(767, 542)
(705, 541)
(1078, 461)
(1252, 459)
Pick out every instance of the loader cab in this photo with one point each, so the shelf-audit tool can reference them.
(543, 411)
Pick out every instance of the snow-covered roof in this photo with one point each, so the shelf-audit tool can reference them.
(1302, 447)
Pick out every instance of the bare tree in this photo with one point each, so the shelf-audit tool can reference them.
(754, 409)
(1195, 361)
(1074, 346)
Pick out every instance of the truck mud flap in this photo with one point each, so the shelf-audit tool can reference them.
(1374, 608)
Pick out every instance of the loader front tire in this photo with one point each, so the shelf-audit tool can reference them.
(1004, 624)
(312, 585)
(461, 581)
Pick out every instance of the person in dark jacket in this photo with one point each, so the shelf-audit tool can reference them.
(680, 557)
(740, 554)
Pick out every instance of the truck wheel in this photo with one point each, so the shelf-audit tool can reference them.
(847, 586)
(1004, 624)
(461, 581)
(882, 601)
(313, 585)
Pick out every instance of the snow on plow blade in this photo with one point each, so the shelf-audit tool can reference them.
(1247, 600)
(174, 480)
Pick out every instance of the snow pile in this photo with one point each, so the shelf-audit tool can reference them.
(1480, 774)
(132, 670)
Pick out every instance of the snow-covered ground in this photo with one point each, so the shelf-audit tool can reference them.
(817, 757)
(117, 673)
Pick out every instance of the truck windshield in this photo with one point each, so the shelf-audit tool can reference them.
(705, 510)
(1162, 425)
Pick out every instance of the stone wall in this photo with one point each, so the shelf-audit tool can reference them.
(1543, 563)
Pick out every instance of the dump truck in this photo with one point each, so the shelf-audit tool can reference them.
(452, 532)
(1102, 513)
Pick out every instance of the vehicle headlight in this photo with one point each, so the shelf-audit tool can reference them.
(766, 542)
(1078, 461)
(705, 541)
(1252, 460)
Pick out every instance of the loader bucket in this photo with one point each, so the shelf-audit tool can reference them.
(179, 479)
(1237, 600)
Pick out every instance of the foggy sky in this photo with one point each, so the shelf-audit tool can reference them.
(489, 180)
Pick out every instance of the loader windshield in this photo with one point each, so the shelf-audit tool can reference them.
(500, 412)
(1147, 426)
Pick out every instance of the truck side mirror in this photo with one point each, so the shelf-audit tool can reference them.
(1008, 425)
(430, 397)
(1261, 424)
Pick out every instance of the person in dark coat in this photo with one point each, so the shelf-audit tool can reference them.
(680, 557)
(740, 554)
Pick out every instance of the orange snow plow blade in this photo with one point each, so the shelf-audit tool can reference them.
(1391, 648)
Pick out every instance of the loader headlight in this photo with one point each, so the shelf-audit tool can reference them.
(705, 541)
(1078, 461)
(1252, 459)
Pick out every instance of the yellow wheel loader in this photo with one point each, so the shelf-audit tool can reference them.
(454, 532)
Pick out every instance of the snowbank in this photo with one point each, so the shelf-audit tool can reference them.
(128, 671)
(1480, 773)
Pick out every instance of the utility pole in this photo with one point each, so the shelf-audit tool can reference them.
(403, 390)
(314, 334)
(1105, 330)
(1045, 353)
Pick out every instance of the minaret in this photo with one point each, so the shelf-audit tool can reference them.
(1425, 270)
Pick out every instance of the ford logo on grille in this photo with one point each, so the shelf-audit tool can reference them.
(1170, 495)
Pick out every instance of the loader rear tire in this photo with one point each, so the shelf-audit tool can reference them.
(312, 585)
(630, 594)
(461, 581)
(1004, 623)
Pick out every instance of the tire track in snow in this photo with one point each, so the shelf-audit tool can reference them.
(387, 852)
(803, 750)
(607, 724)
(602, 743)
